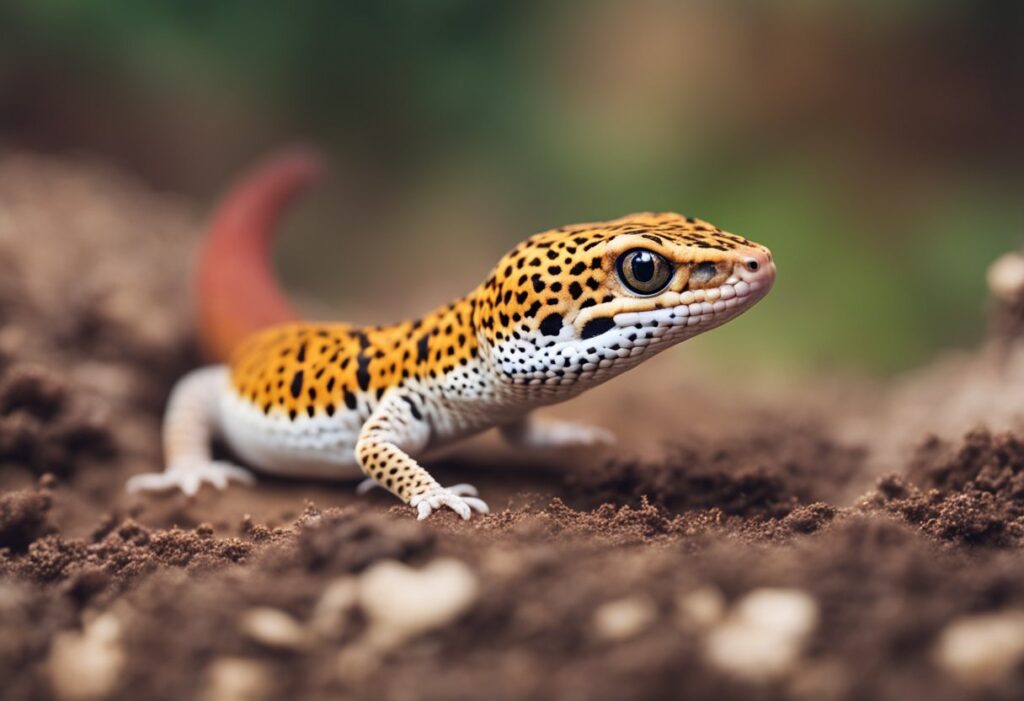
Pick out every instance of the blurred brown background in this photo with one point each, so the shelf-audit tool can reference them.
(877, 147)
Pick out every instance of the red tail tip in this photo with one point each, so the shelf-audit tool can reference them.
(238, 293)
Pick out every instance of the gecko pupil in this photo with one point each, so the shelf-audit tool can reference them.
(643, 266)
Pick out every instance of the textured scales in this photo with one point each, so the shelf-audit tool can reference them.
(553, 319)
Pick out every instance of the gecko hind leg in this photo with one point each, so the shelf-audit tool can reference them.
(553, 434)
(190, 422)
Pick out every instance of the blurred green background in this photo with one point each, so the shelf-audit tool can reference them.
(877, 147)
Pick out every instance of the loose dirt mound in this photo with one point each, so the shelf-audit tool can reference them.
(732, 564)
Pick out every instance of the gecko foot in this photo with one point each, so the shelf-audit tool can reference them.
(460, 498)
(189, 475)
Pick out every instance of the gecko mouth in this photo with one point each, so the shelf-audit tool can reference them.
(697, 307)
(682, 315)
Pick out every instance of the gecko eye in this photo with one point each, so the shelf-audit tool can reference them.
(644, 272)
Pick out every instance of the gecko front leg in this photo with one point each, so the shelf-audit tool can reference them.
(549, 433)
(190, 422)
(392, 431)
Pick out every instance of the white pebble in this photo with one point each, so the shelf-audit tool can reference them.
(331, 611)
(273, 628)
(1006, 277)
(235, 679)
(402, 602)
(87, 665)
(762, 637)
(624, 618)
(702, 607)
(982, 649)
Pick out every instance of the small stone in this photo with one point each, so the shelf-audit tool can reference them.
(1006, 278)
(624, 618)
(789, 611)
(402, 602)
(87, 665)
(702, 607)
(980, 650)
(762, 637)
(330, 614)
(235, 679)
(273, 628)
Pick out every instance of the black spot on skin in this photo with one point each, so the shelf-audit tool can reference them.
(413, 408)
(578, 268)
(588, 303)
(552, 255)
(330, 385)
(595, 264)
(538, 284)
(596, 327)
(522, 296)
(297, 384)
(551, 325)
(350, 400)
(532, 311)
(575, 290)
(556, 287)
(330, 410)
(301, 357)
(592, 283)
(555, 269)
(422, 349)
(503, 318)
(363, 372)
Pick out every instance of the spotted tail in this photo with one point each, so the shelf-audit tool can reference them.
(238, 292)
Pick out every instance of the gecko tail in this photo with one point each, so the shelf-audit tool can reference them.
(237, 290)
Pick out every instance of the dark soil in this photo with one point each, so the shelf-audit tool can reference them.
(599, 575)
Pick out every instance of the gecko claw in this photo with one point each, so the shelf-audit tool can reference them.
(460, 498)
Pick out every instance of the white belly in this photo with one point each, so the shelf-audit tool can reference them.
(319, 447)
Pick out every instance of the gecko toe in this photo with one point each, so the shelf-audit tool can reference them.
(478, 505)
(464, 490)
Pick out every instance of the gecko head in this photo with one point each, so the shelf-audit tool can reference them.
(583, 303)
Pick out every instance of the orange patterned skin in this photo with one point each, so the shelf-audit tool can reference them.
(556, 277)
(563, 311)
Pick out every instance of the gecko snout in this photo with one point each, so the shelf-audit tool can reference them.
(756, 265)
